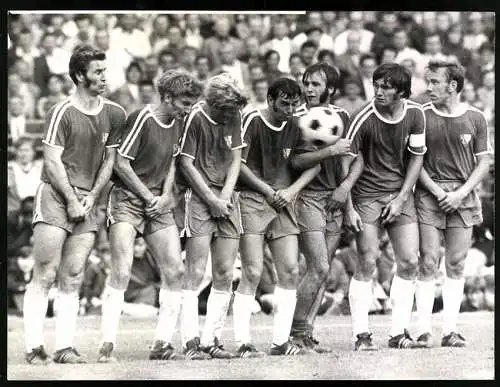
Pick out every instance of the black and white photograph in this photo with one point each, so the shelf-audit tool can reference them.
(250, 195)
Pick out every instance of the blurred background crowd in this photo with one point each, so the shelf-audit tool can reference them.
(255, 49)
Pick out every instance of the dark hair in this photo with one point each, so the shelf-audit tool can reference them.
(284, 87)
(268, 54)
(486, 46)
(25, 31)
(310, 30)
(257, 81)
(134, 64)
(294, 55)
(396, 75)
(25, 140)
(309, 43)
(167, 52)
(80, 59)
(146, 82)
(331, 73)
(81, 16)
(53, 75)
(453, 71)
(366, 57)
(325, 52)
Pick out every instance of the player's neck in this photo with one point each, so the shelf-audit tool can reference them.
(450, 105)
(163, 112)
(84, 100)
(391, 111)
(270, 117)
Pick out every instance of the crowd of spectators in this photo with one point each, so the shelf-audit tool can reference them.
(255, 49)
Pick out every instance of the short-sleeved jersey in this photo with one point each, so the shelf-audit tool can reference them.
(210, 145)
(454, 141)
(328, 177)
(384, 145)
(269, 149)
(83, 136)
(149, 144)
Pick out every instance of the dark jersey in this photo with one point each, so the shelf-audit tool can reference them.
(454, 141)
(327, 179)
(83, 136)
(269, 149)
(210, 145)
(149, 144)
(384, 145)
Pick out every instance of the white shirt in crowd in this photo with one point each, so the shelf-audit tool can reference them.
(417, 57)
(136, 43)
(58, 61)
(325, 42)
(17, 126)
(368, 87)
(117, 61)
(27, 179)
(340, 43)
(284, 48)
(235, 71)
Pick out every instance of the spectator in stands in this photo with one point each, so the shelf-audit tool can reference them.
(55, 23)
(117, 60)
(404, 51)
(388, 54)
(85, 32)
(258, 28)
(147, 92)
(314, 26)
(418, 84)
(252, 51)
(23, 48)
(23, 177)
(212, 44)
(151, 68)
(469, 95)
(333, 25)
(16, 116)
(356, 24)
(271, 61)
(192, 32)
(385, 32)
(453, 45)
(429, 22)
(175, 40)
(326, 56)
(128, 94)
(100, 21)
(297, 67)
(188, 58)
(259, 93)
(281, 43)
(486, 94)
(230, 64)
(129, 37)
(308, 52)
(158, 37)
(19, 273)
(202, 68)
(20, 230)
(256, 71)
(415, 31)
(485, 63)
(27, 88)
(55, 94)
(433, 48)
(367, 66)
(53, 60)
(443, 24)
(476, 37)
(348, 63)
(351, 100)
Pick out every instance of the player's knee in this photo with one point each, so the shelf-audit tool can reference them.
(174, 272)
(289, 275)
(407, 267)
(367, 262)
(120, 279)
(427, 265)
(252, 274)
(223, 274)
(455, 264)
(44, 276)
(71, 282)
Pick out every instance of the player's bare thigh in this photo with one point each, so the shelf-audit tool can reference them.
(285, 253)
(367, 241)
(457, 243)
(197, 249)
(405, 243)
(121, 239)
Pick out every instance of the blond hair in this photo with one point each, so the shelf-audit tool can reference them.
(223, 92)
(177, 83)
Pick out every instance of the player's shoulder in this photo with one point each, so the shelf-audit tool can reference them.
(475, 113)
(410, 104)
(195, 114)
(363, 113)
(249, 115)
(339, 110)
(113, 107)
(59, 109)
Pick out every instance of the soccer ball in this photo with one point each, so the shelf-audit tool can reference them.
(321, 120)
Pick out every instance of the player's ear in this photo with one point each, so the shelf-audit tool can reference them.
(80, 77)
(452, 85)
(331, 91)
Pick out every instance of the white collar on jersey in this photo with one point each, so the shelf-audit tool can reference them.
(462, 109)
(150, 108)
(382, 118)
(206, 115)
(93, 112)
(270, 126)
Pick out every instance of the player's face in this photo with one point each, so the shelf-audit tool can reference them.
(437, 86)
(385, 93)
(181, 106)
(95, 79)
(283, 107)
(315, 89)
(25, 153)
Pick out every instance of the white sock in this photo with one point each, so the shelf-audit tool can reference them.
(112, 306)
(285, 300)
(360, 299)
(190, 327)
(34, 311)
(217, 306)
(170, 305)
(402, 294)
(453, 290)
(242, 312)
(67, 313)
(424, 297)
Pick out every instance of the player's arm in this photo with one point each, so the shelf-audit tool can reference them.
(127, 175)
(232, 175)
(218, 206)
(305, 160)
(166, 198)
(285, 196)
(58, 177)
(255, 183)
(430, 185)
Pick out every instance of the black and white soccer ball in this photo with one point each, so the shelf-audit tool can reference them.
(321, 120)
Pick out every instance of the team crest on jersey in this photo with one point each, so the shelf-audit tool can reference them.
(229, 141)
(286, 152)
(105, 137)
(465, 138)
